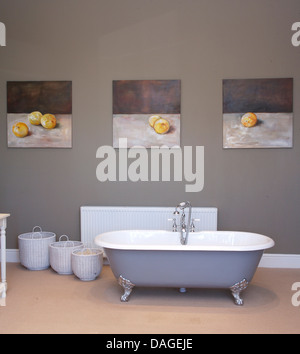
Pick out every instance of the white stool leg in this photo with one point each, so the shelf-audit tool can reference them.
(3, 284)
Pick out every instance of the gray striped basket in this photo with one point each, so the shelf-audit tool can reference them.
(34, 248)
(60, 255)
(87, 263)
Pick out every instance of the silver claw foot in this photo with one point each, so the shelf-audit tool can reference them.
(128, 286)
(236, 289)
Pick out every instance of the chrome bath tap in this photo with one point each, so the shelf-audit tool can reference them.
(184, 228)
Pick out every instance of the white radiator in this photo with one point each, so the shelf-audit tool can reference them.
(96, 220)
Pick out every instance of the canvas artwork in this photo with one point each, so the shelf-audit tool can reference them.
(146, 112)
(258, 113)
(39, 114)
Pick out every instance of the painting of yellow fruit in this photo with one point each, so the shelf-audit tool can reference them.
(35, 118)
(161, 126)
(146, 112)
(249, 120)
(45, 107)
(20, 130)
(48, 121)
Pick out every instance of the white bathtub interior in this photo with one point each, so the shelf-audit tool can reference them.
(96, 220)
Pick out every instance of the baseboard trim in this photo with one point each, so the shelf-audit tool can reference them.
(12, 256)
(272, 260)
(269, 260)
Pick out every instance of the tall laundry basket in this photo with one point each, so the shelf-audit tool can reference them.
(61, 253)
(34, 248)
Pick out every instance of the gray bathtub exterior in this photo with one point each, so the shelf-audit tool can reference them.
(184, 269)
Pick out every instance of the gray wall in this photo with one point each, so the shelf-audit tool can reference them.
(201, 42)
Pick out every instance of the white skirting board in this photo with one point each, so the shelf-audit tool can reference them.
(12, 256)
(274, 260)
(269, 260)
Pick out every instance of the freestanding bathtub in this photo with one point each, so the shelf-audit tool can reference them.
(211, 259)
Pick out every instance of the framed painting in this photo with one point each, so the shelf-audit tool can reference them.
(258, 113)
(146, 112)
(39, 114)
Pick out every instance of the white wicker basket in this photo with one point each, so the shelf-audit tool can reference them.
(60, 255)
(87, 263)
(34, 249)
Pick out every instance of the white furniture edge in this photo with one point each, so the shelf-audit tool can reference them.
(3, 283)
(269, 260)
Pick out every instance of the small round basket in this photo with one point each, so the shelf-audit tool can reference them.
(34, 248)
(87, 263)
(60, 255)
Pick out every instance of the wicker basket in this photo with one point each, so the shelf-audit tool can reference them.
(87, 263)
(60, 255)
(34, 249)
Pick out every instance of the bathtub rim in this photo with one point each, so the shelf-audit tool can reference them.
(266, 242)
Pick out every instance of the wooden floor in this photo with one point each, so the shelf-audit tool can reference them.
(45, 302)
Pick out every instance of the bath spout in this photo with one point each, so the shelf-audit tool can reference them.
(184, 228)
